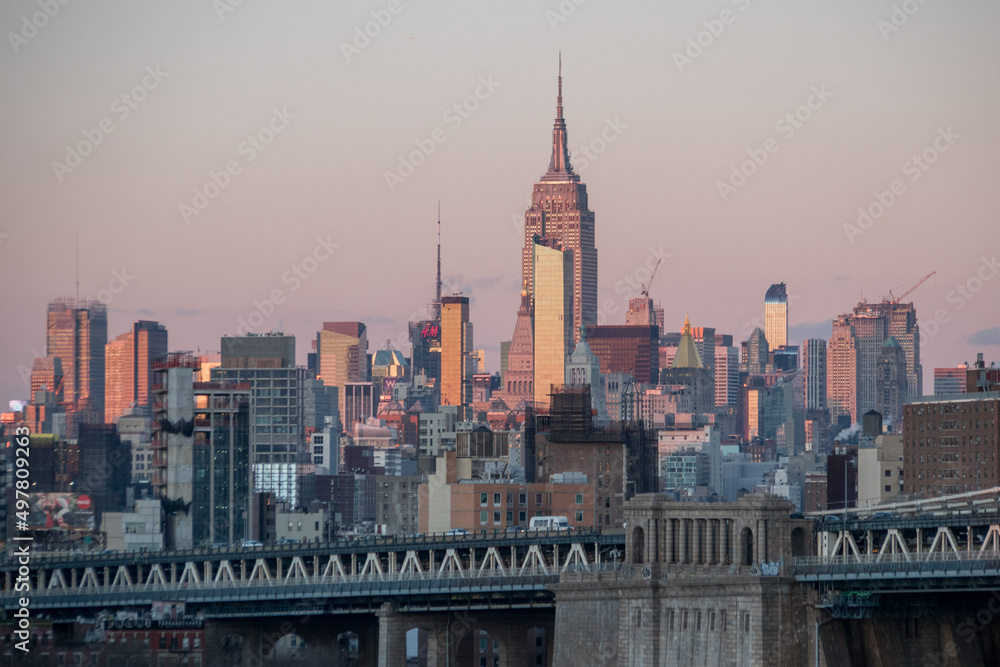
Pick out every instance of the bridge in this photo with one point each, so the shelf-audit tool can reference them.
(346, 576)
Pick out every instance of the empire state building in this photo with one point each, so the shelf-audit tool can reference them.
(559, 218)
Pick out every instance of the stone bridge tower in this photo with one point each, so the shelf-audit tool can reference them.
(701, 584)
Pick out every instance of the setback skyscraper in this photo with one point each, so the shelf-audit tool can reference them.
(128, 373)
(559, 218)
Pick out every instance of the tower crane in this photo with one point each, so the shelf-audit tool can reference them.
(897, 299)
(646, 286)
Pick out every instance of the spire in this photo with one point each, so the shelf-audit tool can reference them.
(559, 166)
(436, 306)
(686, 331)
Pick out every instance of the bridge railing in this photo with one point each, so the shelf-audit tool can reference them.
(897, 565)
(313, 584)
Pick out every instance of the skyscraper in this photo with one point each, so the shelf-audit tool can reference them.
(128, 372)
(890, 381)
(342, 355)
(456, 352)
(552, 281)
(77, 332)
(946, 380)
(559, 217)
(842, 370)
(776, 316)
(814, 370)
(757, 352)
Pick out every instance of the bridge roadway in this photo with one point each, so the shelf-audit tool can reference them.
(415, 573)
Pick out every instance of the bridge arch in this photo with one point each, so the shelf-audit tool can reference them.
(746, 547)
(289, 648)
(638, 545)
(417, 644)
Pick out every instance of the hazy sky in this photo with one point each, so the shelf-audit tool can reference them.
(309, 115)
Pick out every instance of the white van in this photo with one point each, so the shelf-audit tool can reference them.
(549, 523)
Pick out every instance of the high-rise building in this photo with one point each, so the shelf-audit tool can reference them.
(77, 332)
(277, 402)
(552, 282)
(890, 381)
(342, 355)
(898, 320)
(268, 350)
(950, 380)
(519, 378)
(758, 348)
(559, 217)
(814, 372)
(425, 340)
(128, 374)
(627, 349)
(842, 370)
(457, 362)
(727, 372)
(47, 374)
(642, 310)
(776, 316)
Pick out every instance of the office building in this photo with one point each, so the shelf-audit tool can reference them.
(627, 349)
(776, 316)
(890, 381)
(814, 373)
(76, 333)
(758, 352)
(552, 283)
(950, 380)
(842, 370)
(457, 360)
(342, 355)
(128, 373)
(559, 217)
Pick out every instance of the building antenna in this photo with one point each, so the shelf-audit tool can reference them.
(437, 285)
(77, 298)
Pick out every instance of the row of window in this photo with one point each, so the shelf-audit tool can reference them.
(522, 499)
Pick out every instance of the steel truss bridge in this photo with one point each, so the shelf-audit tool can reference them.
(905, 557)
(416, 574)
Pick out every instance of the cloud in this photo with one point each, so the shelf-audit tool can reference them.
(985, 337)
(145, 312)
(840, 279)
(188, 312)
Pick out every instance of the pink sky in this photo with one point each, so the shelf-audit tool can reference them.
(300, 124)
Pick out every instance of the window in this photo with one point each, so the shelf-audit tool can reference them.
(482, 498)
(496, 500)
(579, 499)
(483, 518)
(496, 518)
(888, 473)
(522, 499)
(579, 516)
(521, 517)
(510, 518)
(538, 500)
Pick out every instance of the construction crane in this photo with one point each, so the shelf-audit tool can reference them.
(646, 286)
(897, 299)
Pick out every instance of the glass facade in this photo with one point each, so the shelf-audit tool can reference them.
(77, 333)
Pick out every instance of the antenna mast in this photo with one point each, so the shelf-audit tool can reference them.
(437, 285)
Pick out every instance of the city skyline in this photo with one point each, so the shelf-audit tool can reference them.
(294, 219)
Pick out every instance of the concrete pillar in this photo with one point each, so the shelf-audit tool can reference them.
(668, 541)
(682, 545)
(725, 542)
(391, 637)
(707, 548)
(696, 541)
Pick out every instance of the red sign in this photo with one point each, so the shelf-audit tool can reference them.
(83, 502)
(429, 331)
